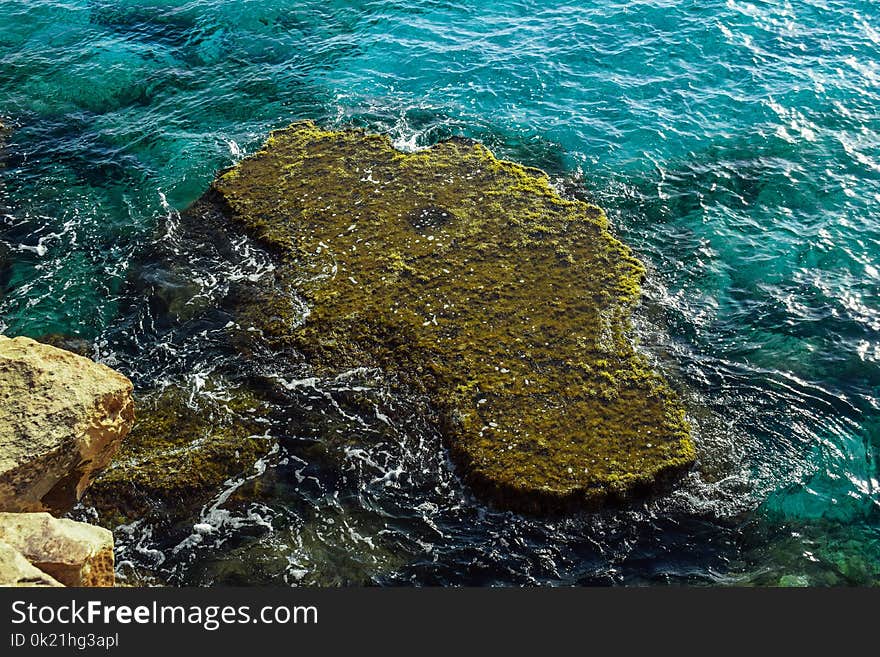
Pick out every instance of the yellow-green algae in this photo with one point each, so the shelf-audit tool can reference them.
(471, 279)
(181, 449)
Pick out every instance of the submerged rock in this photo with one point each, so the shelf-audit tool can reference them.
(16, 570)
(73, 553)
(71, 343)
(181, 450)
(470, 279)
(62, 417)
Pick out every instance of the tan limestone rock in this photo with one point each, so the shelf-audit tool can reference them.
(74, 553)
(15, 570)
(62, 417)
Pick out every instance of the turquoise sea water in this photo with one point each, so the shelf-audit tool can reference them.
(735, 146)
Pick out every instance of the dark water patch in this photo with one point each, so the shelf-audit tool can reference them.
(167, 26)
(267, 36)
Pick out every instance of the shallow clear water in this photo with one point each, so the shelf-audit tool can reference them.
(735, 146)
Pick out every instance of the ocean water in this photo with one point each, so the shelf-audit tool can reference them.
(735, 146)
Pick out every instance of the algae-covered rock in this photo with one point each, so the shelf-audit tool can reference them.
(180, 451)
(470, 279)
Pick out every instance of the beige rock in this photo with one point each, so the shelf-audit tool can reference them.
(15, 570)
(74, 553)
(62, 417)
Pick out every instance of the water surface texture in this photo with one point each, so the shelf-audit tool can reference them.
(735, 146)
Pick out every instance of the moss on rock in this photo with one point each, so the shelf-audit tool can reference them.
(472, 280)
(178, 454)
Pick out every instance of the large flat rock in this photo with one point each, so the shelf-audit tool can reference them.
(469, 279)
(62, 417)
